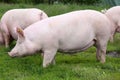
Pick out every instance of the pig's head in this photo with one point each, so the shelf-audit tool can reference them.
(23, 46)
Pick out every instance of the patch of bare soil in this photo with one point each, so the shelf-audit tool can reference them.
(114, 54)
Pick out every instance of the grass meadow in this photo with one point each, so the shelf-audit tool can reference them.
(80, 66)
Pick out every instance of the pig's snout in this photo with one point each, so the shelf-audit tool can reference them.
(11, 54)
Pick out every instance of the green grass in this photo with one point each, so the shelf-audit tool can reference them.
(80, 66)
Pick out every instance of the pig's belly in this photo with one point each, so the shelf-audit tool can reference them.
(75, 44)
(76, 48)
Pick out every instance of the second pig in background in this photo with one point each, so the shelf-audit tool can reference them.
(18, 18)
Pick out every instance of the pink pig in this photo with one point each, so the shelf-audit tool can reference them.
(70, 32)
(18, 18)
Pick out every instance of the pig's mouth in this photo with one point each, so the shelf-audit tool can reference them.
(13, 55)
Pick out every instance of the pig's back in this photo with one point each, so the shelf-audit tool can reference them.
(22, 17)
(71, 22)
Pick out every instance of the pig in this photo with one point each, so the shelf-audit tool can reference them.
(114, 15)
(15, 18)
(70, 32)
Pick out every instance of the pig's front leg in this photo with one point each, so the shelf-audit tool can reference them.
(49, 57)
(98, 54)
(101, 54)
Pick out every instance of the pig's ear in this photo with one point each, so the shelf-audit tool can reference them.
(20, 33)
(41, 15)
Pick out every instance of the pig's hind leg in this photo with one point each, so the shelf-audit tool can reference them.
(101, 50)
